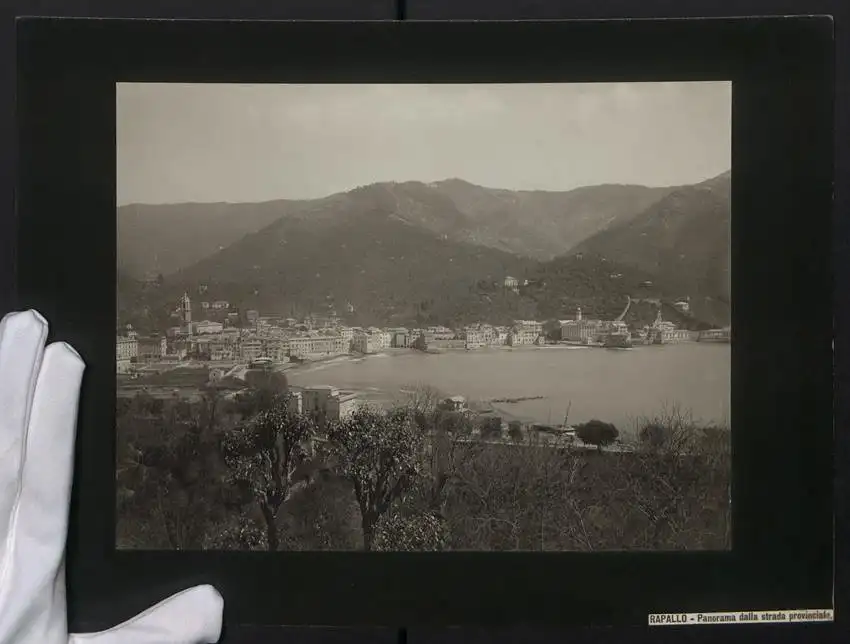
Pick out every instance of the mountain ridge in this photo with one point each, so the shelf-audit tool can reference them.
(539, 224)
(408, 252)
(686, 234)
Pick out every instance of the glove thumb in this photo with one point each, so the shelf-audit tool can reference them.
(193, 616)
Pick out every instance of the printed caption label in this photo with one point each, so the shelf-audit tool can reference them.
(742, 617)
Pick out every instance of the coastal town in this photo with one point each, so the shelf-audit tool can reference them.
(224, 346)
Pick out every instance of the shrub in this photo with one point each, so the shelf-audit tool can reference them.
(597, 432)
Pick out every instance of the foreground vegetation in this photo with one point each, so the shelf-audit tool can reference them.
(245, 474)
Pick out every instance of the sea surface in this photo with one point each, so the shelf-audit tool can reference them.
(618, 386)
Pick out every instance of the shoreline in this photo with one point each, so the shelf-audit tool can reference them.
(395, 352)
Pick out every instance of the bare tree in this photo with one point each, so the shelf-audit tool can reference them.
(681, 481)
(514, 496)
(420, 398)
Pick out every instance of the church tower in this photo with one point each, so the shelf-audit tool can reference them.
(186, 313)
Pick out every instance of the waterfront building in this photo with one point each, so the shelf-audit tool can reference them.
(346, 333)
(581, 329)
(384, 338)
(678, 335)
(663, 331)
(318, 346)
(400, 338)
(530, 326)
(364, 342)
(482, 335)
(511, 283)
(440, 333)
(715, 335)
(523, 337)
(473, 338)
(611, 327)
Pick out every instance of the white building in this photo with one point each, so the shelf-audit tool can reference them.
(364, 342)
(523, 337)
(317, 346)
(531, 326)
(580, 329)
(326, 404)
(206, 327)
(473, 337)
(126, 352)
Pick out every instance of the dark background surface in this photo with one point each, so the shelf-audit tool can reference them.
(441, 10)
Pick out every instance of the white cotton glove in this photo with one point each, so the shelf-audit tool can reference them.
(39, 392)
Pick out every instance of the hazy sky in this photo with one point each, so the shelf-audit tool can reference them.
(261, 142)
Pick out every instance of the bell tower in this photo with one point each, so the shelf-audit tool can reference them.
(186, 313)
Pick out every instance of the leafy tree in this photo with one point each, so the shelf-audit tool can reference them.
(552, 330)
(379, 453)
(322, 516)
(441, 456)
(262, 457)
(417, 533)
(597, 432)
(168, 475)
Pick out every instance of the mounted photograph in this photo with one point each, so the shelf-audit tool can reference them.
(424, 317)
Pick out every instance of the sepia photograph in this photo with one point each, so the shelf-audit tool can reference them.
(424, 317)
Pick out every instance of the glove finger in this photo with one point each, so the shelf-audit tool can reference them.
(45, 499)
(22, 338)
(33, 592)
(193, 616)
